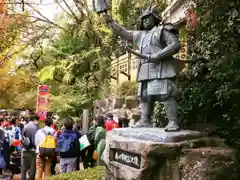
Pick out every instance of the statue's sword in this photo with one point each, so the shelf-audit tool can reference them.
(187, 61)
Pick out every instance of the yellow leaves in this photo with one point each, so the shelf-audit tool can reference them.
(10, 48)
(8, 58)
(5, 65)
(104, 29)
(12, 86)
(47, 73)
(26, 100)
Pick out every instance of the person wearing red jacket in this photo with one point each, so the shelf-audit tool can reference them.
(55, 127)
(110, 124)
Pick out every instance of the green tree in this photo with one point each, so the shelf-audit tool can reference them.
(76, 64)
(211, 91)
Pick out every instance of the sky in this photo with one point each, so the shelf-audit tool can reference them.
(48, 8)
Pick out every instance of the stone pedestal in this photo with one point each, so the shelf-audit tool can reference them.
(153, 154)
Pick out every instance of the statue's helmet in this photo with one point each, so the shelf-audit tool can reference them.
(150, 10)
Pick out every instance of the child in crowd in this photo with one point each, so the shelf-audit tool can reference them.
(68, 146)
(110, 123)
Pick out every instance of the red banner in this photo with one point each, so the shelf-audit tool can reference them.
(2, 6)
(191, 19)
(42, 101)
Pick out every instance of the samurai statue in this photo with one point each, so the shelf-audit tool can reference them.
(157, 42)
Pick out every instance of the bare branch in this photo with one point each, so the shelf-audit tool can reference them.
(27, 45)
(35, 60)
(49, 22)
(44, 18)
(69, 8)
(79, 7)
(62, 8)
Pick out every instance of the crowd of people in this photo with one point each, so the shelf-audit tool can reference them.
(31, 148)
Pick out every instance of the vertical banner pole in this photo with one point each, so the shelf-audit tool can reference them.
(85, 120)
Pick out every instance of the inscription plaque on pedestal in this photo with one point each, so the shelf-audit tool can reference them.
(126, 158)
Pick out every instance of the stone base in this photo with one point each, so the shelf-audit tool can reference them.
(153, 154)
(156, 134)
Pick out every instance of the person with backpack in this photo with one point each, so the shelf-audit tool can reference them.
(68, 146)
(28, 155)
(100, 136)
(45, 142)
(89, 161)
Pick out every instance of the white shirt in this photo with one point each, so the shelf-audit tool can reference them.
(12, 133)
(40, 136)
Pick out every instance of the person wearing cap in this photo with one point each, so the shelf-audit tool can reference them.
(157, 42)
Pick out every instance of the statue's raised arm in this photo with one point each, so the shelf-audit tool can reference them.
(118, 29)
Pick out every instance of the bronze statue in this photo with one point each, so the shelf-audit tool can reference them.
(157, 43)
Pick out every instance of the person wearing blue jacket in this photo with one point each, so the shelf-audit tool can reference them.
(68, 147)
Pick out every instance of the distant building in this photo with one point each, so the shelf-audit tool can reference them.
(123, 69)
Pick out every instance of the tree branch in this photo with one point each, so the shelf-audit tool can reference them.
(69, 8)
(4, 91)
(62, 7)
(79, 7)
(49, 22)
(28, 44)
(45, 19)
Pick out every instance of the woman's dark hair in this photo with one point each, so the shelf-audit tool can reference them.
(100, 121)
(1, 121)
(13, 121)
(34, 117)
(79, 124)
(48, 121)
(68, 123)
(110, 115)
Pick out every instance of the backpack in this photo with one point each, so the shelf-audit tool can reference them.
(26, 141)
(66, 141)
(91, 135)
(17, 133)
(48, 146)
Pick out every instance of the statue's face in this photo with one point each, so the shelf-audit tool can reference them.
(148, 22)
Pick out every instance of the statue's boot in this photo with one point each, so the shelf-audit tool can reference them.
(172, 126)
(146, 112)
(142, 124)
(170, 106)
